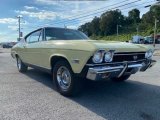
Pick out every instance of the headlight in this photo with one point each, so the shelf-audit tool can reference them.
(108, 56)
(149, 54)
(98, 56)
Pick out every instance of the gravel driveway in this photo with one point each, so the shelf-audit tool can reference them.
(32, 96)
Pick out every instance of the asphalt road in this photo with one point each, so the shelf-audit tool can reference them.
(33, 96)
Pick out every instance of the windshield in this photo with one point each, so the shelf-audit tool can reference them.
(64, 34)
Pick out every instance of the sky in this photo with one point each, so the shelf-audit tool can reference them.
(57, 13)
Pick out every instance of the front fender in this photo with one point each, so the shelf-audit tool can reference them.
(76, 58)
(13, 54)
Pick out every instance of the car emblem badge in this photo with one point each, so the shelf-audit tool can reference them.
(135, 57)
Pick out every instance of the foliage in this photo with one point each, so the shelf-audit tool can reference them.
(105, 26)
(121, 37)
(134, 16)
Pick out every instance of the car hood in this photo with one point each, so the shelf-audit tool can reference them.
(120, 46)
(93, 45)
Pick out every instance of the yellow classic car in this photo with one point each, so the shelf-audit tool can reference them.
(71, 57)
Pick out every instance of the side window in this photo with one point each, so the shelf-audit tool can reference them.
(52, 34)
(34, 37)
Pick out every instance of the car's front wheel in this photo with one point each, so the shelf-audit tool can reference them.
(122, 78)
(65, 80)
(21, 66)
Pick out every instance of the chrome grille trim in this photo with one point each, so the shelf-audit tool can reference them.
(128, 54)
(114, 63)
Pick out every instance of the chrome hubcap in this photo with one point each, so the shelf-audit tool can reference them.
(63, 78)
(19, 63)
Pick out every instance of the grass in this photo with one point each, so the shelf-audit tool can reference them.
(121, 37)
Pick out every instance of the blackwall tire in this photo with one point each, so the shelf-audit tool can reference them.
(21, 66)
(66, 82)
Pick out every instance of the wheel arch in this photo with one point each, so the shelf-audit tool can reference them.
(14, 54)
(55, 58)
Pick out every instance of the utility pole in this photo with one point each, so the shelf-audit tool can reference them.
(118, 30)
(19, 26)
(137, 30)
(155, 31)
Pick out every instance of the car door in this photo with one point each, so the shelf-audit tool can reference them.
(32, 52)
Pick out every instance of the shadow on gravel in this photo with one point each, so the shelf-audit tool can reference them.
(41, 77)
(130, 100)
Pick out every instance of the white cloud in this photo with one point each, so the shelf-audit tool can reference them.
(42, 15)
(62, 2)
(71, 9)
(8, 20)
(72, 26)
(12, 21)
(30, 8)
(8, 36)
(74, 8)
(11, 27)
(48, 2)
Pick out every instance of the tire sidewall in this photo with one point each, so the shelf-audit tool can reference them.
(70, 90)
(19, 60)
(23, 67)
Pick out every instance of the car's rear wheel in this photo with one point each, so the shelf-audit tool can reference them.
(65, 80)
(122, 78)
(21, 66)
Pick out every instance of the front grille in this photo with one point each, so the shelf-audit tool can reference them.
(129, 56)
(121, 57)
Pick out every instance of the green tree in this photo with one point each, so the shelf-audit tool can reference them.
(95, 29)
(106, 24)
(156, 11)
(134, 16)
(86, 28)
(148, 18)
(109, 21)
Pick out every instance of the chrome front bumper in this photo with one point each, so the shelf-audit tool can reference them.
(117, 70)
